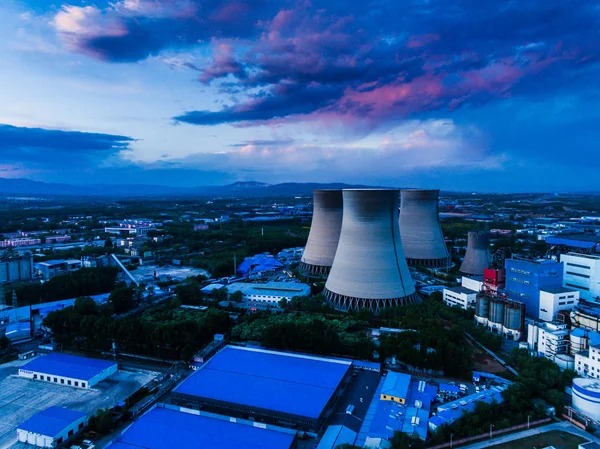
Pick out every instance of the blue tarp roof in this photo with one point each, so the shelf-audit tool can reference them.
(57, 364)
(573, 242)
(288, 383)
(396, 384)
(51, 421)
(260, 262)
(163, 428)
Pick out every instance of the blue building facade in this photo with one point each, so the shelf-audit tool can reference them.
(525, 278)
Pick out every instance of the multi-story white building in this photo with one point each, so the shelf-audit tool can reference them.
(552, 300)
(582, 272)
(460, 296)
(587, 363)
(474, 283)
(548, 339)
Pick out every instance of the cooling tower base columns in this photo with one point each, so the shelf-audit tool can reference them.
(347, 303)
(313, 270)
(442, 264)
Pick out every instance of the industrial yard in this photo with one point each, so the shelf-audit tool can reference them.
(21, 398)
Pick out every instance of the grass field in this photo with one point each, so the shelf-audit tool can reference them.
(556, 438)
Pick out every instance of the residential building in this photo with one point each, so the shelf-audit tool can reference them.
(24, 241)
(582, 271)
(460, 296)
(553, 300)
(526, 277)
(548, 339)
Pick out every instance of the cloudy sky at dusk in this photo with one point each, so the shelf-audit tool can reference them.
(461, 95)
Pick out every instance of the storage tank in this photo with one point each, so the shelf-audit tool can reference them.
(564, 361)
(369, 269)
(477, 257)
(420, 229)
(324, 233)
(482, 307)
(496, 313)
(586, 395)
(514, 315)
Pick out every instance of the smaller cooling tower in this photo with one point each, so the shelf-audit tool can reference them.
(324, 233)
(422, 237)
(369, 270)
(477, 257)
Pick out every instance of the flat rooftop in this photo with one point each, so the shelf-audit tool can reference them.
(461, 290)
(295, 384)
(65, 365)
(163, 428)
(51, 421)
(559, 290)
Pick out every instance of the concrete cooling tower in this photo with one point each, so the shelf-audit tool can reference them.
(369, 269)
(324, 233)
(477, 257)
(422, 237)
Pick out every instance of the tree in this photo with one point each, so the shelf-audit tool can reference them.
(122, 299)
(4, 342)
(402, 440)
(108, 243)
(101, 422)
(236, 296)
(85, 306)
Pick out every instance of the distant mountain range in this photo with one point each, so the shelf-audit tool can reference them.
(27, 187)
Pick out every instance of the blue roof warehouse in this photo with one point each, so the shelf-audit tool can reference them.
(165, 428)
(70, 370)
(51, 427)
(271, 386)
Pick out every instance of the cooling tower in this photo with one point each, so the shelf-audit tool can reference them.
(369, 269)
(324, 233)
(477, 257)
(420, 229)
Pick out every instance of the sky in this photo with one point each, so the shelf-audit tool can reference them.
(495, 96)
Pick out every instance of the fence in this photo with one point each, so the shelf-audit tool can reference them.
(486, 435)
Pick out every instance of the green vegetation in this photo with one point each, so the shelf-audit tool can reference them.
(84, 282)
(554, 438)
(297, 331)
(101, 421)
(165, 331)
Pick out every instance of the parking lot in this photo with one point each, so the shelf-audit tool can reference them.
(21, 398)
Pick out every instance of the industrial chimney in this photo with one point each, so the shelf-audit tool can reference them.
(422, 237)
(324, 233)
(477, 257)
(369, 269)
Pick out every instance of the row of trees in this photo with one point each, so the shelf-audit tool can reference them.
(84, 282)
(312, 333)
(166, 331)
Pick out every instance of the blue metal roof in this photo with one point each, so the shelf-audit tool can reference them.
(449, 388)
(163, 428)
(260, 262)
(396, 384)
(573, 242)
(57, 364)
(51, 421)
(284, 382)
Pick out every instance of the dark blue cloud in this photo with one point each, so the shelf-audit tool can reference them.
(50, 147)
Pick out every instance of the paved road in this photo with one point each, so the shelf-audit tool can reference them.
(562, 426)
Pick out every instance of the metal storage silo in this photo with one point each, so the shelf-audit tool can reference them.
(477, 257)
(324, 233)
(514, 315)
(369, 269)
(482, 307)
(497, 313)
(422, 237)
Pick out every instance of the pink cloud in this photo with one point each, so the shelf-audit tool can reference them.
(231, 12)
(422, 40)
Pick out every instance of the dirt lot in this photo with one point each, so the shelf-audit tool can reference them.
(483, 362)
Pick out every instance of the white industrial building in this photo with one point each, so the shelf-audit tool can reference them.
(548, 339)
(68, 370)
(582, 272)
(586, 397)
(460, 297)
(270, 292)
(474, 283)
(553, 300)
(51, 427)
(587, 363)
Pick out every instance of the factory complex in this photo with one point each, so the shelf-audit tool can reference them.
(276, 387)
(68, 370)
(51, 427)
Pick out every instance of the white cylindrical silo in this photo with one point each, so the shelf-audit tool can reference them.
(422, 237)
(477, 257)
(324, 233)
(369, 269)
(586, 397)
